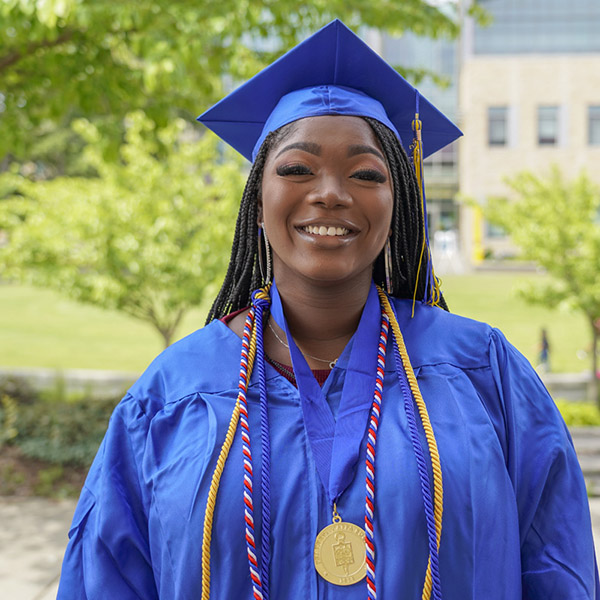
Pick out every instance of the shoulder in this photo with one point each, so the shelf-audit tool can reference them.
(205, 361)
(433, 335)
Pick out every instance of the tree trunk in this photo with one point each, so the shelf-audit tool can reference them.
(167, 336)
(167, 331)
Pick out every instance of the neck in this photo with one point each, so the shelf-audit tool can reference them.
(323, 318)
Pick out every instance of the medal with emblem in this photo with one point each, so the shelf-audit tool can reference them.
(340, 552)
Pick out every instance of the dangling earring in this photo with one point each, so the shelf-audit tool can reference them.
(387, 255)
(265, 270)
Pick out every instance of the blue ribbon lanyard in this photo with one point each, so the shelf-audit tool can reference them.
(336, 444)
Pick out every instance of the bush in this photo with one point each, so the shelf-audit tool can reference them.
(579, 414)
(8, 419)
(17, 389)
(63, 432)
(52, 426)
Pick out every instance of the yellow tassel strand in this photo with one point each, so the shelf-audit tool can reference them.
(418, 164)
(216, 477)
(417, 150)
(438, 490)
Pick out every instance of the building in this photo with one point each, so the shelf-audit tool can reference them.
(416, 55)
(529, 97)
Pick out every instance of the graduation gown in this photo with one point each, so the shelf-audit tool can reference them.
(516, 519)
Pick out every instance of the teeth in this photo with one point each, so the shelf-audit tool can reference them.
(322, 230)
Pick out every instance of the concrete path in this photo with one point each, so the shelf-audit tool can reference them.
(33, 535)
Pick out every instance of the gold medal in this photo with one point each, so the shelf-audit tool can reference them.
(340, 552)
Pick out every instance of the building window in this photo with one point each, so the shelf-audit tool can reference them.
(594, 125)
(498, 125)
(548, 125)
(494, 231)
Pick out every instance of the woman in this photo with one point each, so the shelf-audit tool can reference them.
(354, 442)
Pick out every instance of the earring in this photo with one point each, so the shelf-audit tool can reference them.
(387, 255)
(265, 270)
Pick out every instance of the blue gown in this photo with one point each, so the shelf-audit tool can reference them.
(516, 519)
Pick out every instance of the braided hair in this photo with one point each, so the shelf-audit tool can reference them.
(243, 273)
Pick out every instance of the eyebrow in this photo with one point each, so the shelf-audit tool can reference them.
(362, 149)
(310, 147)
(315, 149)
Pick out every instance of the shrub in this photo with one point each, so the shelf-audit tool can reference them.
(8, 419)
(18, 389)
(63, 432)
(579, 414)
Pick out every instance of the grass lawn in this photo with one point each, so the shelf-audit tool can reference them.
(41, 328)
(492, 297)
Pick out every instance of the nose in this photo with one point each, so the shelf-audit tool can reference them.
(330, 191)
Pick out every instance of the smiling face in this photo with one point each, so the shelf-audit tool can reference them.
(326, 201)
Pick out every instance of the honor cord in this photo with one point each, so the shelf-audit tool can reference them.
(240, 413)
(260, 300)
(247, 362)
(432, 575)
(245, 373)
(370, 459)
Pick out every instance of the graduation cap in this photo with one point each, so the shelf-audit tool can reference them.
(331, 72)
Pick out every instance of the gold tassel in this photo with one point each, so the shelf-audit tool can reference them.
(417, 155)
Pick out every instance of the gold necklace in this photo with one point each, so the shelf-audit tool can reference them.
(331, 363)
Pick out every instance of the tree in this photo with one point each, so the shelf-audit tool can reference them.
(139, 228)
(66, 59)
(148, 236)
(556, 223)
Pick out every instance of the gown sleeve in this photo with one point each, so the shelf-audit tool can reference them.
(557, 549)
(108, 554)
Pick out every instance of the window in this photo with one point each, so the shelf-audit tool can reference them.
(539, 26)
(548, 125)
(494, 231)
(594, 125)
(498, 125)
(442, 165)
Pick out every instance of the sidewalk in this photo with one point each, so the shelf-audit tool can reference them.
(33, 536)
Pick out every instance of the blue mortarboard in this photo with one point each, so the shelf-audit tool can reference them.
(331, 72)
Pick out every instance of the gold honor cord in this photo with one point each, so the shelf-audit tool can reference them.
(438, 489)
(216, 476)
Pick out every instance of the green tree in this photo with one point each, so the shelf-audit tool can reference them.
(556, 223)
(148, 236)
(140, 228)
(65, 59)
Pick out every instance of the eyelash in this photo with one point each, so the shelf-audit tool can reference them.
(292, 170)
(363, 174)
(370, 175)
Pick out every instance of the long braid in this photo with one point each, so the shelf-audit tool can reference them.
(407, 220)
(243, 274)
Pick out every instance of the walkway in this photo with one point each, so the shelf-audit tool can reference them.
(33, 535)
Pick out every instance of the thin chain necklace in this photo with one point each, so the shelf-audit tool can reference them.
(331, 363)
